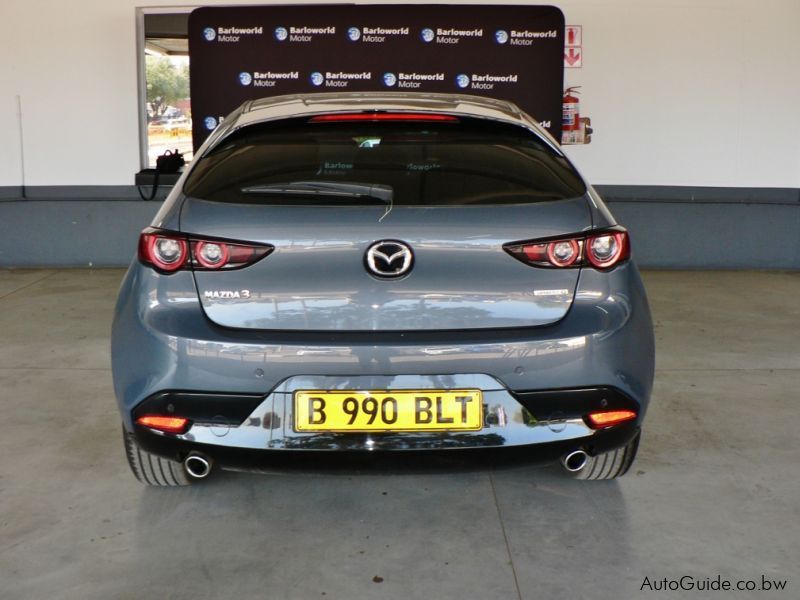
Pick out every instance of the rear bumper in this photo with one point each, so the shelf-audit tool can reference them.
(162, 341)
(250, 459)
(243, 432)
(226, 421)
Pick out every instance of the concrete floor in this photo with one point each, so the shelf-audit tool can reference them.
(714, 492)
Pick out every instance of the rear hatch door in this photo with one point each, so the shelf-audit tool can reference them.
(458, 192)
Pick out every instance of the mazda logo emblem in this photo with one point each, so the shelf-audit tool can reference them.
(389, 258)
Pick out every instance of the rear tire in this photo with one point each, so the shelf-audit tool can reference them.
(609, 465)
(151, 469)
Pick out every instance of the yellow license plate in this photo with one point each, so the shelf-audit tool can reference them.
(406, 410)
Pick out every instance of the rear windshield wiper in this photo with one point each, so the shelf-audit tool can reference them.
(333, 189)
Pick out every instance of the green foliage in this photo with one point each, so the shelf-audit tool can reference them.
(166, 83)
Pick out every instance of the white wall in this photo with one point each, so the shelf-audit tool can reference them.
(681, 92)
(690, 92)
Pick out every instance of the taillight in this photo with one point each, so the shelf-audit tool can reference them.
(167, 424)
(169, 252)
(606, 250)
(564, 253)
(211, 255)
(607, 418)
(165, 253)
(602, 250)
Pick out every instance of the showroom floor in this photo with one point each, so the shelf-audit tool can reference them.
(715, 490)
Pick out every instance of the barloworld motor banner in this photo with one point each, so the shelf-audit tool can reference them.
(242, 53)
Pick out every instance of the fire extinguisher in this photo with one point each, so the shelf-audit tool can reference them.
(570, 116)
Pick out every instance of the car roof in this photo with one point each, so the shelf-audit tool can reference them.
(299, 105)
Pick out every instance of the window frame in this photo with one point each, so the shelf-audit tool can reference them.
(141, 70)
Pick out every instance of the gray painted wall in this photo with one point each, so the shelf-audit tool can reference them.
(670, 227)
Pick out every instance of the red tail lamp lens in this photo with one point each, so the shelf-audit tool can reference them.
(211, 255)
(536, 252)
(607, 418)
(167, 253)
(165, 424)
(376, 116)
(564, 253)
(604, 251)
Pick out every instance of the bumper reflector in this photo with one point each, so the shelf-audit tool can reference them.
(165, 424)
(607, 418)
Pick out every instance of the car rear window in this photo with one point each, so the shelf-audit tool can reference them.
(465, 162)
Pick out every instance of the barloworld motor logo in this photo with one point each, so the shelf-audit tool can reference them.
(376, 34)
(210, 123)
(271, 79)
(501, 36)
(414, 80)
(389, 79)
(338, 79)
(232, 34)
(449, 35)
(245, 78)
(485, 81)
(303, 33)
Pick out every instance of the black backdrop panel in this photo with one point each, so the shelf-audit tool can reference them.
(508, 52)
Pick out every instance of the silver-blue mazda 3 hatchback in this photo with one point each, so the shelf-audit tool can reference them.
(384, 273)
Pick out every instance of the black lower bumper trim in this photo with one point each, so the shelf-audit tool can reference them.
(247, 459)
(547, 405)
(200, 407)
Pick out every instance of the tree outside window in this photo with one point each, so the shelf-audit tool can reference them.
(169, 115)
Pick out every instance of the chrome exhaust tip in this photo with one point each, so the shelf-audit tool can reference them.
(575, 461)
(197, 466)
